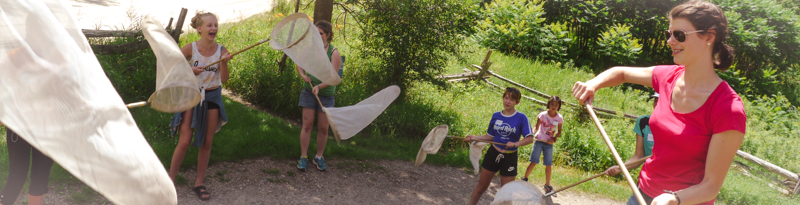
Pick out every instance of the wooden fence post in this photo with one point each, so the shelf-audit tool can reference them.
(796, 186)
(485, 64)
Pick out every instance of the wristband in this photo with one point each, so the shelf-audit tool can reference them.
(675, 195)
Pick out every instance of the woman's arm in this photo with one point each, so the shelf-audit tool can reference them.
(302, 74)
(638, 154)
(223, 66)
(612, 77)
(721, 151)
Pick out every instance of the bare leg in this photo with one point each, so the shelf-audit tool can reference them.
(530, 168)
(322, 132)
(184, 140)
(548, 170)
(35, 200)
(205, 151)
(506, 179)
(483, 184)
(305, 133)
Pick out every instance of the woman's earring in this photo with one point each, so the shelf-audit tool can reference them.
(709, 44)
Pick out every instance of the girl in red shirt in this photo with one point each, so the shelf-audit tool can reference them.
(699, 121)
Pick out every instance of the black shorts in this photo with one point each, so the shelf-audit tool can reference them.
(506, 164)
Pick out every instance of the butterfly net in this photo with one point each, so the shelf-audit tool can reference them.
(176, 85)
(56, 96)
(348, 121)
(518, 193)
(432, 143)
(297, 36)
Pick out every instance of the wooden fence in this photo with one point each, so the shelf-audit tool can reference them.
(134, 46)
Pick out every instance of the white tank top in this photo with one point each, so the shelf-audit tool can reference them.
(210, 78)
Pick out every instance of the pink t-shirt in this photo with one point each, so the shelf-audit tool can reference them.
(549, 125)
(679, 156)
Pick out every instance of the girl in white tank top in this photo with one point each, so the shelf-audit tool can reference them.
(210, 78)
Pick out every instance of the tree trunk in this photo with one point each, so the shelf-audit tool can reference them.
(323, 10)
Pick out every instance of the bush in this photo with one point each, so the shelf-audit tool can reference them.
(132, 74)
(517, 27)
(617, 45)
(412, 39)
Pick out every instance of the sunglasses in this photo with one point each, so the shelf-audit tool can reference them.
(679, 35)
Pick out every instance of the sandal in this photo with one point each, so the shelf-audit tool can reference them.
(200, 191)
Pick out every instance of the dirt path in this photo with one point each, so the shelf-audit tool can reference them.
(269, 181)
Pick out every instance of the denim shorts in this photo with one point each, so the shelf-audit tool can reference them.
(540, 147)
(307, 100)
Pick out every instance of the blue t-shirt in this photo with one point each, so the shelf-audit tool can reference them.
(645, 133)
(509, 128)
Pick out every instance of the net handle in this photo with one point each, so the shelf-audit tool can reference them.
(330, 122)
(627, 166)
(237, 52)
(461, 138)
(137, 104)
(616, 155)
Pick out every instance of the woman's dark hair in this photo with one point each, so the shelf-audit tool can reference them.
(327, 28)
(554, 99)
(707, 16)
(513, 93)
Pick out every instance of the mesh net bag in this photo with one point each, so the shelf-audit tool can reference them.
(431, 143)
(55, 95)
(297, 36)
(475, 153)
(176, 85)
(348, 121)
(518, 193)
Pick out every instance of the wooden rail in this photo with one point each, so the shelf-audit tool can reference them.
(134, 46)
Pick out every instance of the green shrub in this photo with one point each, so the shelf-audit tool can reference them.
(132, 74)
(617, 45)
(517, 27)
(412, 39)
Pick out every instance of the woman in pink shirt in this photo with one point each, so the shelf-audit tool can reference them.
(699, 121)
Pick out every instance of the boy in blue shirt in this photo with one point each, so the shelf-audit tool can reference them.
(506, 126)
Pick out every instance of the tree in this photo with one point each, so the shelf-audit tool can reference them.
(412, 39)
(323, 10)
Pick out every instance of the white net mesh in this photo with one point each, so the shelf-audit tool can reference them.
(348, 121)
(431, 143)
(475, 153)
(55, 95)
(434, 140)
(518, 193)
(176, 85)
(297, 36)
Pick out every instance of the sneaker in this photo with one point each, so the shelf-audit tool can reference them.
(548, 189)
(303, 163)
(525, 179)
(320, 162)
